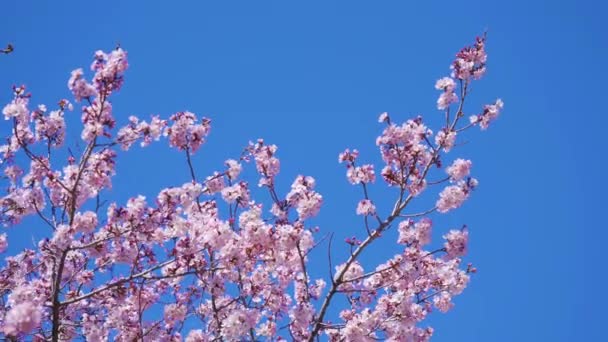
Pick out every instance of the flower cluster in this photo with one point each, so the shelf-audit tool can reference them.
(185, 133)
(366, 207)
(51, 127)
(453, 196)
(470, 62)
(266, 163)
(489, 114)
(406, 153)
(445, 139)
(302, 196)
(357, 174)
(447, 85)
(137, 129)
(459, 169)
(79, 86)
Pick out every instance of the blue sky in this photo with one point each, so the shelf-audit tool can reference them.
(312, 77)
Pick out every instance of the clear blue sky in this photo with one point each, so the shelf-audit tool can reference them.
(312, 76)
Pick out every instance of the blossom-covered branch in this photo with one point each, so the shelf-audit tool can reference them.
(204, 260)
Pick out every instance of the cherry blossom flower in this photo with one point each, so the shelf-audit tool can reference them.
(453, 196)
(459, 169)
(185, 133)
(448, 97)
(361, 174)
(79, 86)
(489, 114)
(445, 139)
(415, 233)
(443, 302)
(234, 168)
(366, 207)
(22, 318)
(456, 242)
(348, 155)
(3, 242)
(470, 62)
(383, 117)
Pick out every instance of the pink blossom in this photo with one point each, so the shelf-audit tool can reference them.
(93, 329)
(446, 84)
(97, 120)
(3, 243)
(448, 97)
(109, 69)
(390, 176)
(197, 335)
(301, 317)
(309, 206)
(231, 193)
(445, 140)
(450, 198)
(267, 329)
(174, 313)
(406, 153)
(79, 86)
(366, 207)
(417, 184)
(153, 130)
(456, 243)
(470, 62)
(137, 129)
(459, 169)
(354, 270)
(16, 109)
(214, 183)
(266, 163)
(22, 202)
(489, 114)
(185, 133)
(51, 127)
(85, 222)
(316, 289)
(348, 155)
(304, 198)
(237, 323)
(443, 302)
(383, 117)
(13, 172)
(361, 174)
(22, 318)
(236, 193)
(234, 168)
(278, 211)
(415, 233)
(361, 327)
(412, 131)
(453, 196)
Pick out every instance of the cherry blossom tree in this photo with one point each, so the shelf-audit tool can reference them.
(204, 261)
